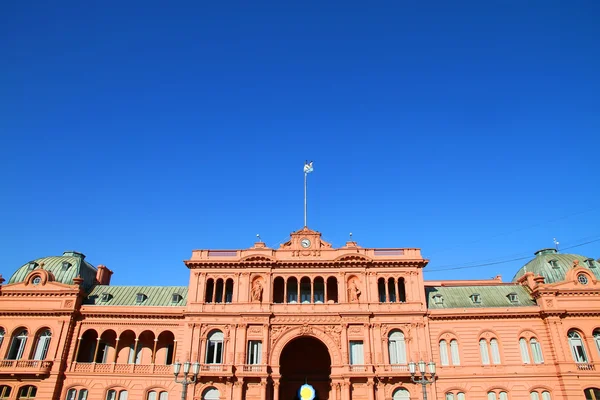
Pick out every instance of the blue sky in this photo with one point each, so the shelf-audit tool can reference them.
(135, 132)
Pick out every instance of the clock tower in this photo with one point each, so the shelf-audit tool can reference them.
(305, 239)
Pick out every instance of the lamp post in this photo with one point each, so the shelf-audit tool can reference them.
(412, 367)
(187, 378)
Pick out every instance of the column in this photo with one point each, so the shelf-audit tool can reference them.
(116, 350)
(285, 298)
(346, 390)
(367, 344)
(325, 298)
(370, 389)
(298, 301)
(387, 290)
(263, 389)
(96, 350)
(237, 389)
(154, 351)
(275, 389)
(137, 341)
(78, 345)
(344, 344)
(312, 290)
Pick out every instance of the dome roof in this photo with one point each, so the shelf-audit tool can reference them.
(553, 266)
(64, 268)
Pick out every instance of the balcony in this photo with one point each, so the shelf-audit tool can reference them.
(392, 370)
(360, 370)
(21, 367)
(251, 370)
(139, 369)
(216, 370)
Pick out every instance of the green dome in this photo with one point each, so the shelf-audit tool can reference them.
(64, 268)
(553, 266)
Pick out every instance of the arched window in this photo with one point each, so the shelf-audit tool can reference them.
(278, 290)
(577, 348)
(332, 290)
(455, 354)
(229, 290)
(72, 394)
(524, 352)
(219, 291)
(485, 356)
(497, 396)
(157, 395)
(5, 392)
(17, 345)
(305, 289)
(2, 332)
(27, 392)
(536, 351)
(592, 394)
(381, 290)
(535, 395)
(401, 291)
(210, 289)
(214, 348)
(392, 290)
(484, 349)
(113, 394)
(211, 394)
(401, 394)
(42, 344)
(319, 290)
(455, 396)
(596, 339)
(444, 355)
(292, 290)
(397, 347)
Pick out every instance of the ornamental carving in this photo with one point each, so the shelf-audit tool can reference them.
(306, 329)
(355, 330)
(277, 330)
(549, 303)
(334, 331)
(255, 330)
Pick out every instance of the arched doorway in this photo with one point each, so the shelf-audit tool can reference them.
(305, 360)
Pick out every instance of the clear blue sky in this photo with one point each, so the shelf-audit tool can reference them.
(135, 132)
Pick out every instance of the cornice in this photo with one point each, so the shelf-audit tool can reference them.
(137, 315)
(37, 313)
(304, 263)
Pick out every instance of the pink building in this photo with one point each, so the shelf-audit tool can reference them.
(259, 323)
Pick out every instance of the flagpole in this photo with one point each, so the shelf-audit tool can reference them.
(305, 175)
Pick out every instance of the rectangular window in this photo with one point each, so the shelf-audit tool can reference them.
(454, 353)
(254, 352)
(524, 351)
(485, 355)
(444, 356)
(356, 352)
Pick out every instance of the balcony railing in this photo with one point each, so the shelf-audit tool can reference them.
(37, 367)
(153, 369)
(585, 367)
(215, 369)
(400, 368)
(361, 368)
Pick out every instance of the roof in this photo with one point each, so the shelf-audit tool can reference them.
(489, 296)
(540, 265)
(155, 296)
(54, 264)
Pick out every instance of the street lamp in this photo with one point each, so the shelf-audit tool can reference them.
(412, 367)
(187, 379)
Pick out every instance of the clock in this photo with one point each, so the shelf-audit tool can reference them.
(305, 243)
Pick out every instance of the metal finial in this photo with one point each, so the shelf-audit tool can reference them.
(258, 237)
(556, 243)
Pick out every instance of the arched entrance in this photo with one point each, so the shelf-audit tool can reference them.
(304, 359)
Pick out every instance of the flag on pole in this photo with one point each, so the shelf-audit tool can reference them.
(308, 167)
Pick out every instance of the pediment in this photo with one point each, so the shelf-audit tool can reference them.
(353, 257)
(257, 258)
(305, 239)
(577, 279)
(38, 280)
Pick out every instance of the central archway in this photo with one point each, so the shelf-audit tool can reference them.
(304, 359)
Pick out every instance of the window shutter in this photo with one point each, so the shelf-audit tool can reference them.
(455, 354)
(536, 351)
(524, 351)
(444, 354)
(485, 357)
(495, 353)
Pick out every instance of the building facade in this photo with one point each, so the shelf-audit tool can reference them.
(262, 322)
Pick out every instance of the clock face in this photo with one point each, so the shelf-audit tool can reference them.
(305, 243)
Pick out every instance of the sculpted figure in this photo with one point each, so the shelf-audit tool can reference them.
(354, 291)
(257, 290)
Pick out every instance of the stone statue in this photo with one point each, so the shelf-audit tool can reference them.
(354, 291)
(257, 290)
